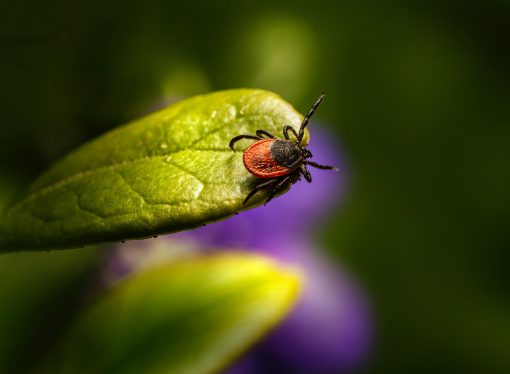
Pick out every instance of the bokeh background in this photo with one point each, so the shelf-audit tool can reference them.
(417, 95)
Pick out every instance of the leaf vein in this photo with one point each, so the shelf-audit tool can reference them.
(83, 174)
(138, 193)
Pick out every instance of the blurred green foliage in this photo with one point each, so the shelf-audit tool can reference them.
(39, 293)
(417, 91)
(189, 316)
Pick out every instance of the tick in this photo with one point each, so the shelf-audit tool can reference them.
(278, 161)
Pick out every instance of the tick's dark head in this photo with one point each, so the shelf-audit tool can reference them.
(286, 153)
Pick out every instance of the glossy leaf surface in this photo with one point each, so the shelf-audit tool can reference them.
(169, 171)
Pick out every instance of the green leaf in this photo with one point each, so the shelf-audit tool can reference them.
(169, 171)
(192, 316)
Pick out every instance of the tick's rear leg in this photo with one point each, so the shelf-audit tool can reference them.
(239, 137)
(277, 188)
(258, 188)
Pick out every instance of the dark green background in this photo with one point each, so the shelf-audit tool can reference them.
(418, 92)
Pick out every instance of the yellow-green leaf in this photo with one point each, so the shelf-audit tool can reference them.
(193, 316)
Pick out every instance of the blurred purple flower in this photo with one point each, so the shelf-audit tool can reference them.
(329, 330)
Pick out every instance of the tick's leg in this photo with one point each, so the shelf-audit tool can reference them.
(306, 174)
(318, 166)
(277, 188)
(309, 115)
(286, 130)
(258, 188)
(261, 133)
(239, 137)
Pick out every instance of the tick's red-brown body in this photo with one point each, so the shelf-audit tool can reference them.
(279, 161)
(261, 158)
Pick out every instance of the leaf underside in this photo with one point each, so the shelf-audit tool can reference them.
(169, 171)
